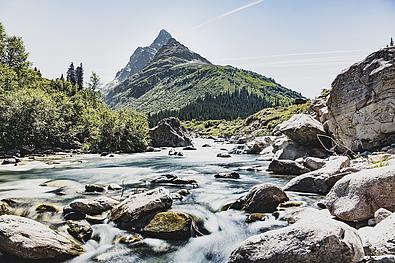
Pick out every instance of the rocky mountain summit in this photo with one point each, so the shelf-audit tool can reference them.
(178, 82)
(140, 58)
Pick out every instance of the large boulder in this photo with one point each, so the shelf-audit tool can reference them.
(262, 198)
(169, 133)
(314, 239)
(137, 210)
(302, 129)
(362, 103)
(91, 206)
(169, 225)
(379, 240)
(357, 196)
(322, 180)
(28, 239)
(286, 149)
(258, 144)
(287, 167)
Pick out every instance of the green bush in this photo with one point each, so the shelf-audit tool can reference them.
(37, 114)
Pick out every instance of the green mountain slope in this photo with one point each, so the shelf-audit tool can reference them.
(178, 79)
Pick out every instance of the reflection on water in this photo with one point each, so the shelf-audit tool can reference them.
(227, 228)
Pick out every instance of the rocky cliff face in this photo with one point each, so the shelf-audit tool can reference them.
(362, 103)
(140, 58)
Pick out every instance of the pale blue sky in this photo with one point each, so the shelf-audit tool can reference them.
(303, 44)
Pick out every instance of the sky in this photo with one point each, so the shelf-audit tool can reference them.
(302, 44)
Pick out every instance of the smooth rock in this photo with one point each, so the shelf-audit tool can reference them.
(169, 225)
(28, 239)
(137, 210)
(357, 196)
(312, 240)
(322, 180)
(262, 198)
(287, 167)
(93, 206)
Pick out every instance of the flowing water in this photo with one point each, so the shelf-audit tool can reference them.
(227, 228)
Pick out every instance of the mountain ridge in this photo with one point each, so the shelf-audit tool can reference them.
(177, 77)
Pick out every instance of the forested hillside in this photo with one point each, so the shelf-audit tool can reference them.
(179, 82)
(38, 114)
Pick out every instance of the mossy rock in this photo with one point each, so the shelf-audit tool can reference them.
(47, 208)
(291, 204)
(170, 225)
(80, 230)
(129, 239)
(4, 208)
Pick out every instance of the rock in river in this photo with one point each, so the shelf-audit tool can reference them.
(317, 239)
(137, 210)
(172, 179)
(169, 133)
(170, 225)
(28, 239)
(263, 198)
(287, 167)
(80, 230)
(322, 180)
(231, 175)
(92, 206)
(357, 196)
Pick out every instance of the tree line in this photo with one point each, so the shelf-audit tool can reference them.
(38, 114)
(227, 106)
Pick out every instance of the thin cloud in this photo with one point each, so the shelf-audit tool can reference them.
(231, 12)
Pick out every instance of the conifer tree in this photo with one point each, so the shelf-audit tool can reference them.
(71, 74)
(61, 77)
(392, 42)
(79, 72)
(94, 83)
(15, 54)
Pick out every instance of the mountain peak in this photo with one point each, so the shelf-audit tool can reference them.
(173, 48)
(162, 38)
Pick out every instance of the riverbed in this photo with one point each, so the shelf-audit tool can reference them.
(63, 181)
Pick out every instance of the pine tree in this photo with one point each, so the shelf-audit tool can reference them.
(70, 76)
(61, 77)
(94, 83)
(79, 72)
(392, 42)
(15, 54)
